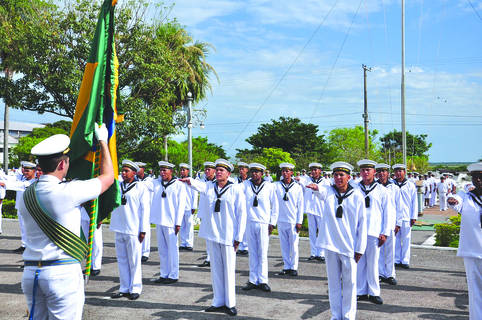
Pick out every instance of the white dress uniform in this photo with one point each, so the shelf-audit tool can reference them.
(291, 208)
(386, 265)
(2, 196)
(407, 210)
(127, 221)
(313, 207)
(470, 246)
(433, 197)
(146, 244)
(60, 292)
(343, 238)
(380, 220)
(186, 234)
(221, 229)
(442, 190)
(167, 212)
(97, 241)
(260, 213)
(243, 245)
(203, 208)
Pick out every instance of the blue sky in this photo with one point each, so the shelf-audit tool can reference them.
(304, 59)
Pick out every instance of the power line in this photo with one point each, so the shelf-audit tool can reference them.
(476, 12)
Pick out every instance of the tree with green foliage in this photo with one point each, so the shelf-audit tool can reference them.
(417, 145)
(272, 157)
(348, 144)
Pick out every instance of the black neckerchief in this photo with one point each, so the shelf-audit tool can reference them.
(371, 187)
(316, 180)
(401, 184)
(340, 198)
(287, 188)
(477, 200)
(385, 184)
(126, 188)
(166, 185)
(256, 190)
(240, 180)
(217, 205)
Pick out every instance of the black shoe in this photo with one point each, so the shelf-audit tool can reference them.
(391, 280)
(19, 250)
(321, 259)
(398, 265)
(264, 287)
(382, 279)
(215, 309)
(94, 272)
(375, 299)
(231, 311)
(404, 266)
(144, 259)
(362, 297)
(249, 286)
(204, 264)
(169, 281)
(293, 273)
(311, 258)
(182, 248)
(118, 295)
(284, 272)
(242, 252)
(134, 296)
(188, 248)
(160, 280)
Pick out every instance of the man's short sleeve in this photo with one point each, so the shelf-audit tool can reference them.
(84, 190)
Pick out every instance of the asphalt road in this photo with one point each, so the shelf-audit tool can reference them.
(433, 288)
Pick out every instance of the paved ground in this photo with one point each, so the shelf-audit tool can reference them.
(433, 288)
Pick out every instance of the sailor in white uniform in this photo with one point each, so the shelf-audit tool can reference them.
(433, 197)
(209, 175)
(143, 177)
(469, 205)
(52, 278)
(386, 265)
(290, 218)
(223, 226)
(406, 217)
(130, 221)
(167, 211)
(443, 191)
(186, 234)
(262, 211)
(97, 243)
(378, 209)
(243, 169)
(345, 225)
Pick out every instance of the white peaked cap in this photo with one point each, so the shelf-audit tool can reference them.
(224, 164)
(341, 166)
(130, 164)
(184, 165)
(366, 163)
(399, 166)
(315, 165)
(475, 167)
(165, 164)
(286, 165)
(258, 166)
(53, 145)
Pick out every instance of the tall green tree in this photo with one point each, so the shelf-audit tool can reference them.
(417, 145)
(272, 157)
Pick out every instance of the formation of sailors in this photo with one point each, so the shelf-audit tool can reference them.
(361, 228)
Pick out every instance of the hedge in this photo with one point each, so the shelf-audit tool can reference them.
(447, 234)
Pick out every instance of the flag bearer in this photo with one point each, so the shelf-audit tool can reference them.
(187, 227)
(130, 221)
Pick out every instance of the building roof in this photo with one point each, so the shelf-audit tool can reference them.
(21, 126)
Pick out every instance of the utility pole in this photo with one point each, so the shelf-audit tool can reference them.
(404, 133)
(6, 129)
(365, 110)
(189, 130)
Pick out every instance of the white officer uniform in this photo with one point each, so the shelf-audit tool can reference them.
(60, 291)
(470, 243)
(262, 211)
(167, 211)
(291, 208)
(186, 234)
(243, 246)
(128, 221)
(408, 210)
(345, 236)
(313, 208)
(146, 244)
(221, 229)
(443, 190)
(378, 209)
(386, 265)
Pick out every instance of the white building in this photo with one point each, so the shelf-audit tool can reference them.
(16, 130)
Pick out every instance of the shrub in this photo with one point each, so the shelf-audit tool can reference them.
(8, 209)
(447, 234)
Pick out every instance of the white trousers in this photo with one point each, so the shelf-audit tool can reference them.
(402, 244)
(341, 271)
(289, 238)
(258, 241)
(128, 250)
(60, 291)
(314, 225)
(1, 204)
(186, 234)
(433, 199)
(386, 263)
(168, 252)
(146, 243)
(473, 271)
(223, 265)
(23, 235)
(97, 244)
(367, 269)
(208, 256)
(442, 197)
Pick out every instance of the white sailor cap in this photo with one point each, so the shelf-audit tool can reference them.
(256, 166)
(209, 164)
(382, 166)
(53, 146)
(141, 164)
(165, 164)
(286, 165)
(130, 164)
(184, 165)
(315, 165)
(399, 166)
(28, 165)
(341, 166)
(474, 167)
(243, 164)
(223, 163)
(366, 163)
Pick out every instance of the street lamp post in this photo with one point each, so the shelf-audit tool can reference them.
(189, 130)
